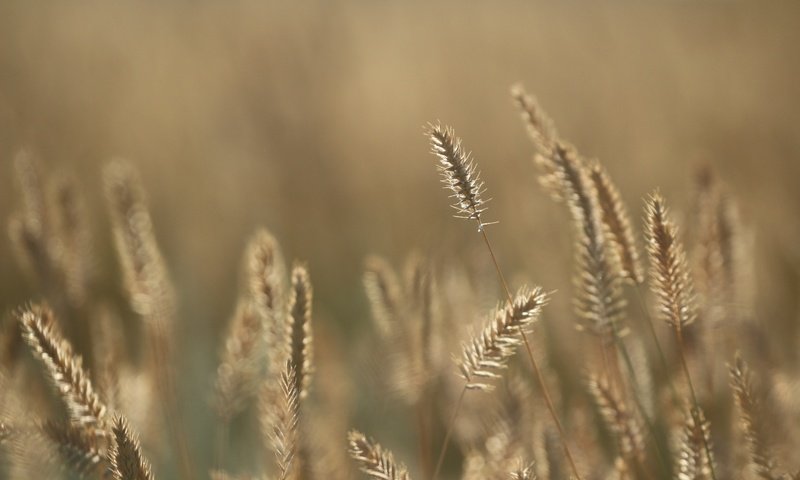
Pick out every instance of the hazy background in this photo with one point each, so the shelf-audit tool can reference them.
(307, 118)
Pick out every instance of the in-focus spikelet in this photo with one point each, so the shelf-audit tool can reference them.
(373, 459)
(692, 462)
(459, 173)
(670, 278)
(489, 351)
(299, 331)
(65, 369)
(125, 455)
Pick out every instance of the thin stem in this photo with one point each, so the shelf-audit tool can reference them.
(550, 407)
(697, 421)
(449, 433)
(661, 356)
(423, 434)
(223, 434)
(542, 385)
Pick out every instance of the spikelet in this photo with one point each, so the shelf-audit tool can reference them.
(299, 332)
(30, 229)
(373, 459)
(617, 223)
(125, 455)
(670, 278)
(144, 272)
(285, 425)
(621, 422)
(384, 293)
(539, 125)
(692, 461)
(77, 447)
(459, 173)
(489, 351)
(65, 369)
(525, 471)
(73, 248)
(750, 416)
(238, 373)
(599, 301)
(265, 272)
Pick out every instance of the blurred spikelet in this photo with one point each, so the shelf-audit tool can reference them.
(77, 447)
(64, 368)
(384, 294)
(691, 461)
(750, 420)
(373, 459)
(285, 431)
(299, 331)
(73, 240)
(670, 278)
(489, 351)
(539, 125)
(144, 272)
(125, 455)
(238, 373)
(618, 419)
(266, 280)
(459, 173)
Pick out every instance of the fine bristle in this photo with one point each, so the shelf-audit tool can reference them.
(299, 331)
(459, 173)
(125, 455)
(670, 278)
(374, 460)
(64, 368)
(525, 471)
(489, 351)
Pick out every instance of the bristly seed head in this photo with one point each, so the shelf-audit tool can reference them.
(459, 173)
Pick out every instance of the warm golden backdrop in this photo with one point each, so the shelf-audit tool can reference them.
(307, 118)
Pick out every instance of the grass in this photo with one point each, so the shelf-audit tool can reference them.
(645, 405)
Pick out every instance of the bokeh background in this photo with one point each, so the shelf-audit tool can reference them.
(308, 118)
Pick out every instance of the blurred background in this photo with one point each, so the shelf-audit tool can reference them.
(308, 117)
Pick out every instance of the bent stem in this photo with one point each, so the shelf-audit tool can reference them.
(534, 364)
(447, 435)
(679, 337)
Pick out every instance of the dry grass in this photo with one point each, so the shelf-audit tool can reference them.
(99, 378)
